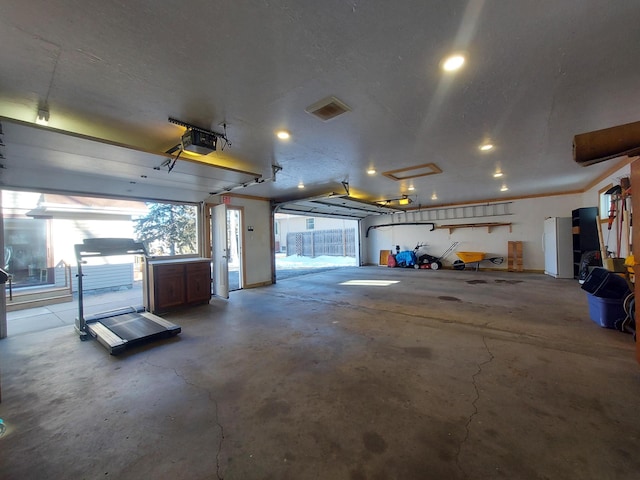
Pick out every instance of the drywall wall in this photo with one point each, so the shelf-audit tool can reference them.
(525, 215)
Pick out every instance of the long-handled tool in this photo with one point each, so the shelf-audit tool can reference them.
(615, 194)
(429, 261)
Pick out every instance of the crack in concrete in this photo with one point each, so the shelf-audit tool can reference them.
(215, 403)
(473, 404)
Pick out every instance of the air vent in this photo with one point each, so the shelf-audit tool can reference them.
(327, 108)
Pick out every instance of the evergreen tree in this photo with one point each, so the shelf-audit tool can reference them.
(169, 227)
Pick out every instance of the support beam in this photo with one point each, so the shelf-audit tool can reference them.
(600, 145)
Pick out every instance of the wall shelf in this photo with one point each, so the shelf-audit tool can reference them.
(488, 226)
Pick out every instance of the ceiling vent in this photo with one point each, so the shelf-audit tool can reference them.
(327, 108)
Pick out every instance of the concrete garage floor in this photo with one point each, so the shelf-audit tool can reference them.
(442, 375)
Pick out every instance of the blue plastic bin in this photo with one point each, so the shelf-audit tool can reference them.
(606, 311)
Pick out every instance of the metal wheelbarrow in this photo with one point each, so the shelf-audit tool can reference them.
(470, 258)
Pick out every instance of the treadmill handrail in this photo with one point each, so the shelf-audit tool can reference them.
(93, 247)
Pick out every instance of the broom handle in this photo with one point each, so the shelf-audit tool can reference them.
(603, 247)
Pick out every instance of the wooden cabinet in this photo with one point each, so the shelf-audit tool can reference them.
(169, 284)
(198, 287)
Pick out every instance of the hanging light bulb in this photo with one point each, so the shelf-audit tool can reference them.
(43, 116)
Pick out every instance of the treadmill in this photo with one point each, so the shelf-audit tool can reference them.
(120, 328)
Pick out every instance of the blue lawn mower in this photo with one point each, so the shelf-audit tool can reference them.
(417, 259)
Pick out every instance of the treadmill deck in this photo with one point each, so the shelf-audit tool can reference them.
(132, 326)
(118, 330)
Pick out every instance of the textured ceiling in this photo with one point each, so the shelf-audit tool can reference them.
(537, 73)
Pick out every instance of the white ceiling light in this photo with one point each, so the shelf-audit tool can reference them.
(453, 63)
(283, 135)
(498, 174)
(411, 188)
(434, 196)
(485, 147)
(301, 185)
(371, 171)
(43, 116)
(504, 188)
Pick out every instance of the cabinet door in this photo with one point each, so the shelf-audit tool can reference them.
(198, 282)
(168, 286)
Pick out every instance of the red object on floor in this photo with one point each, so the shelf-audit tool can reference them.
(391, 261)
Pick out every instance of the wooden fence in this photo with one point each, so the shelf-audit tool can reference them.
(315, 243)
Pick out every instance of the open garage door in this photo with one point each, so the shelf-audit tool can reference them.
(306, 244)
(320, 232)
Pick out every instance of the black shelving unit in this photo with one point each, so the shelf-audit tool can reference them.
(585, 234)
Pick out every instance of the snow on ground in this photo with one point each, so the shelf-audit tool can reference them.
(284, 262)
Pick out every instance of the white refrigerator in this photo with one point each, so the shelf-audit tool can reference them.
(557, 244)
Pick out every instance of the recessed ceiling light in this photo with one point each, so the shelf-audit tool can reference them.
(498, 174)
(301, 185)
(371, 171)
(486, 147)
(411, 188)
(453, 63)
(283, 134)
(434, 196)
(504, 188)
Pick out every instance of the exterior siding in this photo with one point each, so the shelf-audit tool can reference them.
(99, 277)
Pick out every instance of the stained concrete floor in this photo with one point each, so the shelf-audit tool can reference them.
(441, 375)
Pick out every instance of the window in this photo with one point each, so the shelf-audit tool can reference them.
(309, 223)
(168, 229)
(25, 250)
(41, 230)
(604, 203)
